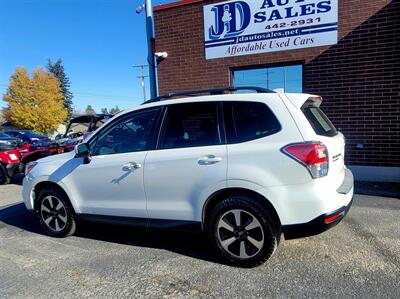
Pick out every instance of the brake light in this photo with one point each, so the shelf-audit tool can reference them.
(312, 155)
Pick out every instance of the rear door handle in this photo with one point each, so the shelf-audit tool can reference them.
(209, 160)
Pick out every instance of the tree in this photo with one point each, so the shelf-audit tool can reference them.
(34, 103)
(89, 110)
(76, 111)
(115, 110)
(57, 69)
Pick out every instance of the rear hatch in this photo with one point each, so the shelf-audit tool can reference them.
(327, 134)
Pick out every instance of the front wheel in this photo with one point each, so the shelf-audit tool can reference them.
(55, 213)
(242, 232)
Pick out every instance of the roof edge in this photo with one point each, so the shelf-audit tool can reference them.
(175, 4)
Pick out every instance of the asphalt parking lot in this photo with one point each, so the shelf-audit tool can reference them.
(358, 258)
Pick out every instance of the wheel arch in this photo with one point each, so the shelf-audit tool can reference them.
(219, 195)
(49, 184)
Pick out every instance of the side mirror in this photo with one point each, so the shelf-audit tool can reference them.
(82, 150)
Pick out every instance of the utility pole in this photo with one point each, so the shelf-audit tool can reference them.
(142, 77)
(150, 42)
(150, 46)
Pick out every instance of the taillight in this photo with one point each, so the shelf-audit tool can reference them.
(312, 155)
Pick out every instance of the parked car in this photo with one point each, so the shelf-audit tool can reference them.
(243, 167)
(10, 163)
(44, 147)
(29, 136)
(80, 126)
(9, 141)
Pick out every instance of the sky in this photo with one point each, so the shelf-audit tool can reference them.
(98, 40)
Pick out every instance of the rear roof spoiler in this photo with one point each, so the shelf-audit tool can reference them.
(298, 99)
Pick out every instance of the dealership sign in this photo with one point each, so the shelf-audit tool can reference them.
(235, 28)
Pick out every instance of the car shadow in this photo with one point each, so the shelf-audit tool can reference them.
(195, 245)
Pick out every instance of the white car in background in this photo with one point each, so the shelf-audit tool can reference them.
(243, 167)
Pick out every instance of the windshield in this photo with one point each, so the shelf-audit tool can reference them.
(3, 135)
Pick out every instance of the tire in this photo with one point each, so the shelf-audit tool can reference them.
(249, 243)
(4, 178)
(55, 213)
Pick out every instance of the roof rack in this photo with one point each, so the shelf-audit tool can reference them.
(212, 91)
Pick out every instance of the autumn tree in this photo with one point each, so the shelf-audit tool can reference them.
(34, 103)
(57, 69)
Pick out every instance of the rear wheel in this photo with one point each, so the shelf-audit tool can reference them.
(242, 232)
(4, 178)
(55, 213)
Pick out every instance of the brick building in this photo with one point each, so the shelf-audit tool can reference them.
(358, 74)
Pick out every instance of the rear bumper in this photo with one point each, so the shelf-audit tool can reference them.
(302, 203)
(317, 225)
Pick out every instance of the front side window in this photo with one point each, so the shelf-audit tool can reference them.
(132, 134)
(245, 121)
(190, 125)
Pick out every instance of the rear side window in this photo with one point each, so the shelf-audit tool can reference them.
(190, 125)
(245, 121)
(318, 120)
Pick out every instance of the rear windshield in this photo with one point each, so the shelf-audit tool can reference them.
(318, 120)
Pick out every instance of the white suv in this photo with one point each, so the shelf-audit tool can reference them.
(243, 167)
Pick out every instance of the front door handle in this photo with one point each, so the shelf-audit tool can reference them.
(209, 160)
(132, 166)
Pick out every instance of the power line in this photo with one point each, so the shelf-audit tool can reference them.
(82, 93)
(142, 77)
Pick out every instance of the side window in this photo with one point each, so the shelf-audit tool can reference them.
(190, 125)
(133, 133)
(245, 121)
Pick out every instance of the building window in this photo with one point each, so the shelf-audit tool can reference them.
(289, 77)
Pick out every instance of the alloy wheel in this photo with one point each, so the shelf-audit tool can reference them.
(240, 233)
(53, 213)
